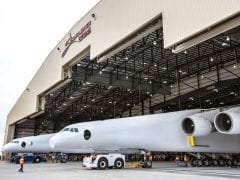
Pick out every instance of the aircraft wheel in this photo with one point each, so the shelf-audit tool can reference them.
(102, 163)
(215, 163)
(235, 162)
(193, 163)
(148, 164)
(206, 162)
(221, 162)
(199, 163)
(229, 163)
(118, 164)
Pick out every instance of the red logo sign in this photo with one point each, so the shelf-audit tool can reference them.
(79, 36)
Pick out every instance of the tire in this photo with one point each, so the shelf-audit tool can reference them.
(221, 162)
(199, 163)
(102, 163)
(206, 163)
(119, 163)
(229, 163)
(215, 163)
(193, 163)
(149, 164)
(37, 160)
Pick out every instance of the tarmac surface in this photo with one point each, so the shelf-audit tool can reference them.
(74, 170)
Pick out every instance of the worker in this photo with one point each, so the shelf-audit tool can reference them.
(150, 158)
(21, 162)
(94, 156)
(177, 160)
(185, 159)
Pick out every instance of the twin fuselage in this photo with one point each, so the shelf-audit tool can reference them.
(214, 131)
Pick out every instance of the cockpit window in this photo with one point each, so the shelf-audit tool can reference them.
(15, 142)
(87, 134)
(71, 129)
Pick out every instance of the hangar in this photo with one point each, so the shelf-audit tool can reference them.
(131, 58)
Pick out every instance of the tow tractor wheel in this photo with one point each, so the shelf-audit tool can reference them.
(102, 163)
(118, 164)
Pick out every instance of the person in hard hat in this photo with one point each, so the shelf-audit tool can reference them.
(21, 162)
(177, 160)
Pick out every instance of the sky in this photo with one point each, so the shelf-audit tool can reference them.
(29, 30)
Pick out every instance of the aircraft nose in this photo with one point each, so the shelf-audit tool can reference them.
(6, 148)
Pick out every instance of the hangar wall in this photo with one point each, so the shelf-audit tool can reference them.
(184, 18)
(115, 20)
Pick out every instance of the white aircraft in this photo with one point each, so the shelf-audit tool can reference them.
(165, 132)
(36, 144)
(29, 144)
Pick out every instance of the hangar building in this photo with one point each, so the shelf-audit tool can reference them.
(135, 57)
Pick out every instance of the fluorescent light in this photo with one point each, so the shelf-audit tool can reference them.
(224, 44)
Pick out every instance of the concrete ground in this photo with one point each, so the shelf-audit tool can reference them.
(73, 171)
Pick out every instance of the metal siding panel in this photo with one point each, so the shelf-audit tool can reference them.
(182, 19)
(117, 20)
